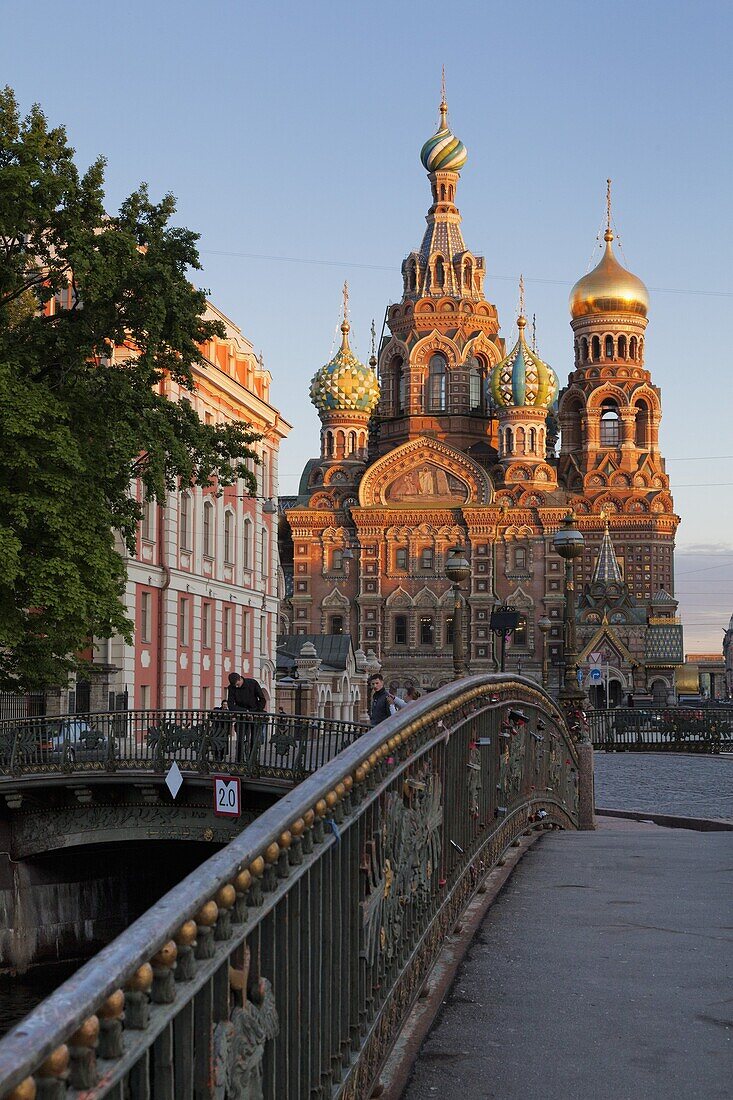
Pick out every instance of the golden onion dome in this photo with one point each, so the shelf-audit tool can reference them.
(609, 288)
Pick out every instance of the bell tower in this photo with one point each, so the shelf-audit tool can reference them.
(444, 340)
(611, 404)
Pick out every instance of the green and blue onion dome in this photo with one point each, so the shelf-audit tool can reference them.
(443, 152)
(522, 379)
(345, 384)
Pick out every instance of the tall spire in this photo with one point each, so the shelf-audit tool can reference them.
(608, 235)
(607, 570)
(345, 326)
(443, 103)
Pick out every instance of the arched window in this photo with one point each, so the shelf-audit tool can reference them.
(411, 276)
(509, 442)
(398, 384)
(208, 529)
(329, 444)
(247, 544)
(475, 387)
(609, 347)
(610, 424)
(229, 537)
(436, 384)
(439, 271)
(520, 558)
(632, 348)
(584, 350)
(352, 443)
(595, 345)
(184, 521)
(532, 446)
(467, 275)
(337, 624)
(643, 425)
(622, 347)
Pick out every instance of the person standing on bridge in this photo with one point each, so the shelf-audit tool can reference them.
(244, 695)
(382, 701)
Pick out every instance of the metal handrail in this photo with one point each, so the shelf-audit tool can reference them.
(261, 743)
(435, 744)
(671, 728)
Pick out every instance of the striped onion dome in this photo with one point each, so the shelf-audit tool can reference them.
(345, 384)
(443, 152)
(523, 379)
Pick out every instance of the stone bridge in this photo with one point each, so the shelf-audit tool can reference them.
(91, 834)
(285, 965)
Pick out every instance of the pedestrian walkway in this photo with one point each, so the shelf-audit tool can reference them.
(603, 972)
(666, 783)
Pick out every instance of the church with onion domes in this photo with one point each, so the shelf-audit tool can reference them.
(447, 439)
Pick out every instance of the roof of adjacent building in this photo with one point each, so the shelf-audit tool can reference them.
(333, 649)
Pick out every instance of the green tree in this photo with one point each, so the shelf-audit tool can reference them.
(81, 408)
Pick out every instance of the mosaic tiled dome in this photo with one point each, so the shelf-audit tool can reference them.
(523, 379)
(443, 152)
(345, 384)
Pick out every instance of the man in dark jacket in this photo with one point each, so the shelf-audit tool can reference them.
(244, 695)
(379, 709)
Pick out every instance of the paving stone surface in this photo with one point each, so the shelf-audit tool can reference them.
(602, 972)
(665, 783)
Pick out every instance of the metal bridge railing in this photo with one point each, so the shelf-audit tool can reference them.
(277, 746)
(286, 964)
(655, 729)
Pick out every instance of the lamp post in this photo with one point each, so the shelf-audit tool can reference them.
(544, 626)
(458, 569)
(568, 543)
(503, 621)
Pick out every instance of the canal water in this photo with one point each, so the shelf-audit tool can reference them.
(21, 993)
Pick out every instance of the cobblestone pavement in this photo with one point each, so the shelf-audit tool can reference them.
(602, 971)
(665, 783)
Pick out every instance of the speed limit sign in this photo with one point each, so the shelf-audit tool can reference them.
(227, 795)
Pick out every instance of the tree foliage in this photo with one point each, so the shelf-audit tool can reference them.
(81, 407)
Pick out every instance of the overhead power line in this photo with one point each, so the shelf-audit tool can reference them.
(393, 267)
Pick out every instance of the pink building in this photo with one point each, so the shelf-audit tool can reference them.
(202, 587)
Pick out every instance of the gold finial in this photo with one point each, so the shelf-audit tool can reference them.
(443, 103)
(345, 326)
(604, 516)
(534, 332)
(608, 235)
(521, 320)
(373, 359)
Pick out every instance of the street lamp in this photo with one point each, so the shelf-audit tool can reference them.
(458, 569)
(503, 621)
(568, 543)
(544, 626)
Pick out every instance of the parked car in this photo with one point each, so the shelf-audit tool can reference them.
(72, 739)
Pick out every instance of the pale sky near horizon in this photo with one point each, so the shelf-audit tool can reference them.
(291, 132)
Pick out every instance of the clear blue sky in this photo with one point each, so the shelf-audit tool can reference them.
(293, 130)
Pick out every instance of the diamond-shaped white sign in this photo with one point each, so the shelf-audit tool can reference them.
(174, 779)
